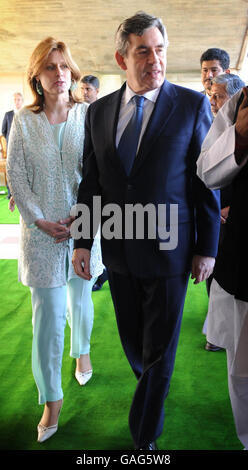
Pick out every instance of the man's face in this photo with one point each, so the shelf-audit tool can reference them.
(89, 92)
(145, 61)
(209, 70)
(18, 101)
(218, 97)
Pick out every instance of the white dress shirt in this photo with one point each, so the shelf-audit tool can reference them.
(127, 109)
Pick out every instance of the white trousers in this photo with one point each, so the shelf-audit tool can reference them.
(238, 392)
(228, 328)
(51, 307)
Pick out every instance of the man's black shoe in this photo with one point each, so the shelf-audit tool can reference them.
(96, 286)
(150, 446)
(100, 280)
(212, 347)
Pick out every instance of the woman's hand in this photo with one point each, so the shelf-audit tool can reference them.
(68, 221)
(11, 204)
(56, 230)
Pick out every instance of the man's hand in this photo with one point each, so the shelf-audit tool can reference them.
(82, 255)
(202, 267)
(224, 214)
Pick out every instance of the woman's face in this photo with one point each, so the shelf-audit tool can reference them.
(55, 77)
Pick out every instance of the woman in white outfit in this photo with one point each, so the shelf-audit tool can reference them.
(44, 171)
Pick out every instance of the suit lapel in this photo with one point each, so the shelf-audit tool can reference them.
(163, 109)
(111, 115)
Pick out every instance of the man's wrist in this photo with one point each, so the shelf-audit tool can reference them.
(241, 148)
(240, 141)
(83, 243)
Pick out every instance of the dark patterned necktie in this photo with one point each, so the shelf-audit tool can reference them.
(128, 144)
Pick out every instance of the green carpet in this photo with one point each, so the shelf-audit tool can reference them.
(198, 412)
(6, 216)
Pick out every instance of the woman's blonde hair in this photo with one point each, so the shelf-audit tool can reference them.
(37, 61)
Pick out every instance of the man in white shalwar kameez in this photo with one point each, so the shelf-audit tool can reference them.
(223, 160)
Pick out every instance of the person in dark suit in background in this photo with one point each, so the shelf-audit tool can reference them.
(89, 85)
(148, 277)
(6, 125)
(8, 117)
(214, 61)
(7, 121)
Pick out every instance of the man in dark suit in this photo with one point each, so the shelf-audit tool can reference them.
(8, 118)
(89, 85)
(148, 274)
(6, 125)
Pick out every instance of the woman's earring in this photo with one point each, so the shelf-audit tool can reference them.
(39, 88)
(73, 86)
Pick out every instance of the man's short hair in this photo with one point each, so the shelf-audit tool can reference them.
(137, 25)
(91, 79)
(216, 54)
(233, 82)
(17, 93)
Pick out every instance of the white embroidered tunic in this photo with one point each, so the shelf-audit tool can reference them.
(44, 183)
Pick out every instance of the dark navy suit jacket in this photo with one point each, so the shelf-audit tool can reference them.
(164, 172)
(6, 125)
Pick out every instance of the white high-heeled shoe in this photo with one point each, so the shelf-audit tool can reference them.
(45, 432)
(83, 377)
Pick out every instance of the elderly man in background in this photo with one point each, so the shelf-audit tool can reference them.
(223, 87)
(223, 160)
